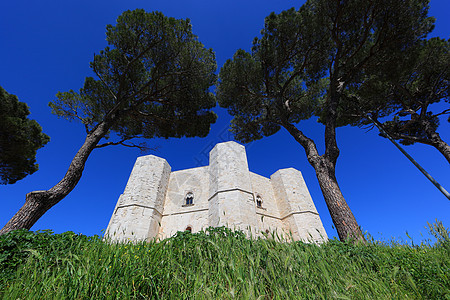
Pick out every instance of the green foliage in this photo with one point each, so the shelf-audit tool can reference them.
(308, 62)
(152, 80)
(20, 138)
(426, 83)
(278, 81)
(441, 234)
(405, 91)
(17, 246)
(222, 264)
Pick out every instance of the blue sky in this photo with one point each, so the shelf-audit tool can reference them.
(46, 47)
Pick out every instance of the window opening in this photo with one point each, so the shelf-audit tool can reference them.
(258, 201)
(189, 198)
(189, 229)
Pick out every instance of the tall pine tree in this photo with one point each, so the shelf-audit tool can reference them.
(152, 81)
(304, 63)
(20, 138)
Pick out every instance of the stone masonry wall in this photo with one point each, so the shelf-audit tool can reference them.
(153, 204)
(139, 209)
(297, 210)
(177, 216)
(268, 216)
(231, 201)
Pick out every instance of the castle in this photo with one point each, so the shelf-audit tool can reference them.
(157, 203)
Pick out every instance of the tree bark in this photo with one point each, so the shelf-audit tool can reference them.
(342, 216)
(442, 147)
(39, 202)
(436, 140)
(433, 138)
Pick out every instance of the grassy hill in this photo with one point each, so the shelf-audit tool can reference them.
(220, 264)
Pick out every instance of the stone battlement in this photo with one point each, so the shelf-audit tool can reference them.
(157, 203)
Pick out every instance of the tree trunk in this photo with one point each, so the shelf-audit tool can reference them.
(444, 148)
(340, 212)
(436, 140)
(39, 202)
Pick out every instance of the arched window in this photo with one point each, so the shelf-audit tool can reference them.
(189, 200)
(259, 201)
(189, 228)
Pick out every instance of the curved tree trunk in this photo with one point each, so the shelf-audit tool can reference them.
(444, 148)
(39, 202)
(436, 140)
(340, 212)
(433, 138)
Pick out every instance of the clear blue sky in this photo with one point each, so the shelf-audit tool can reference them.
(46, 47)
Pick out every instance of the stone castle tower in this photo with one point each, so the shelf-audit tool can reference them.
(157, 203)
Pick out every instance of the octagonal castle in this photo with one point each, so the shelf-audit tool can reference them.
(157, 203)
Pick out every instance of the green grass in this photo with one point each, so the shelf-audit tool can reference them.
(220, 264)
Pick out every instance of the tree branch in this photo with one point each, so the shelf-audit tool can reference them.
(122, 142)
(442, 113)
(308, 144)
(398, 136)
(103, 81)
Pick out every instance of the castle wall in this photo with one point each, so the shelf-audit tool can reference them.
(177, 216)
(196, 219)
(139, 209)
(268, 216)
(231, 201)
(225, 193)
(297, 210)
